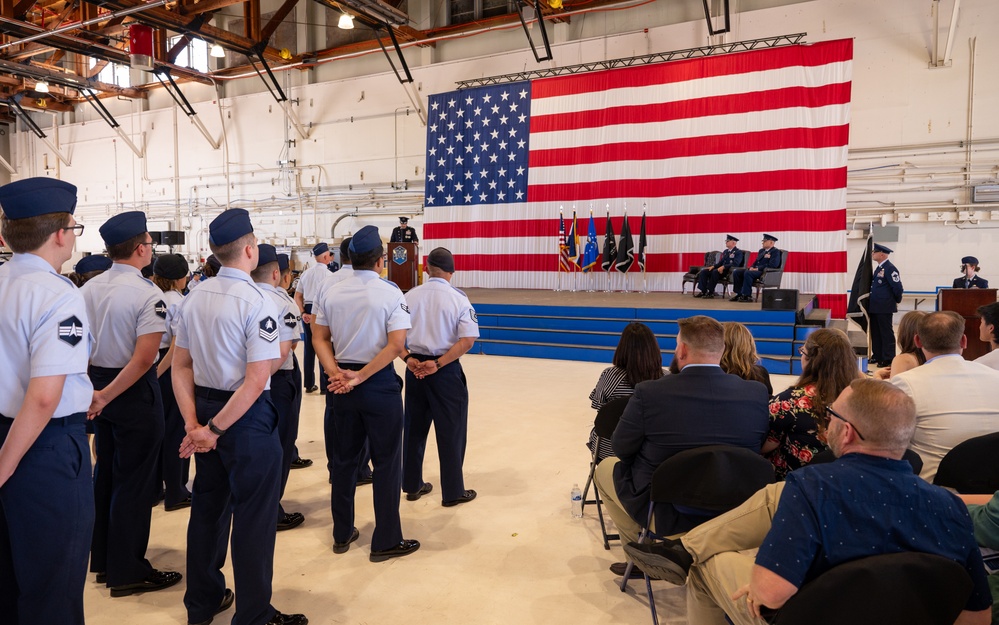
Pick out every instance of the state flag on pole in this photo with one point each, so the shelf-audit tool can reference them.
(574, 251)
(610, 247)
(590, 252)
(641, 245)
(625, 248)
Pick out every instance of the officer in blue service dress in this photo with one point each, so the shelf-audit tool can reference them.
(404, 233)
(886, 293)
(227, 349)
(128, 317)
(286, 387)
(742, 279)
(46, 496)
(730, 259)
(363, 321)
(970, 279)
(309, 284)
(444, 329)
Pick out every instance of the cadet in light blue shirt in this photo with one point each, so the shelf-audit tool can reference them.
(309, 284)
(128, 317)
(46, 497)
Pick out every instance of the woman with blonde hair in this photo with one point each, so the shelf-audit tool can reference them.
(798, 418)
(909, 356)
(740, 357)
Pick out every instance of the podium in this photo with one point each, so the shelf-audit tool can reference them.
(403, 264)
(965, 302)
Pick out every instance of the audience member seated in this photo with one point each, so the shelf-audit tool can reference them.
(636, 359)
(984, 511)
(955, 398)
(909, 356)
(702, 405)
(866, 503)
(740, 357)
(987, 332)
(798, 418)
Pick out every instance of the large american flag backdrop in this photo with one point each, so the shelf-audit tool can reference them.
(740, 144)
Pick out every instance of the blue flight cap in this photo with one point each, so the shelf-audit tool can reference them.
(283, 262)
(729, 237)
(768, 237)
(880, 248)
(171, 266)
(32, 197)
(94, 262)
(122, 227)
(267, 254)
(366, 239)
(320, 248)
(229, 226)
(969, 260)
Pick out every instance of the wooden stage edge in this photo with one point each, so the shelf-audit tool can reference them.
(617, 299)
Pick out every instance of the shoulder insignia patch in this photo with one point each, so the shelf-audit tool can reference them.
(71, 330)
(474, 316)
(405, 308)
(894, 276)
(161, 309)
(268, 329)
(291, 320)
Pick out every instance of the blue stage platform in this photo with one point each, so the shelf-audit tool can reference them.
(586, 325)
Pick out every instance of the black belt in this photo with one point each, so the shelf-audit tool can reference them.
(105, 370)
(78, 418)
(212, 394)
(423, 357)
(352, 366)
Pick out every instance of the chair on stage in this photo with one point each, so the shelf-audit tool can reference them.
(771, 277)
(911, 588)
(710, 259)
(726, 279)
(701, 484)
(971, 467)
(603, 426)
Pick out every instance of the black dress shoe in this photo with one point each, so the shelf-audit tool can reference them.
(618, 568)
(157, 580)
(312, 389)
(183, 503)
(710, 296)
(698, 294)
(291, 520)
(424, 490)
(288, 619)
(404, 548)
(227, 600)
(734, 298)
(745, 299)
(364, 479)
(343, 547)
(301, 463)
(102, 578)
(468, 496)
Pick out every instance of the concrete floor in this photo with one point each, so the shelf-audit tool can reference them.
(514, 555)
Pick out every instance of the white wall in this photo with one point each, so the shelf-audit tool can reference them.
(364, 152)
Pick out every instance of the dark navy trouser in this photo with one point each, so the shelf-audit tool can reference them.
(176, 470)
(309, 358)
(286, 393)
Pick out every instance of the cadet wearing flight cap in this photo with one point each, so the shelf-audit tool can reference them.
(970, 279)
(46, 496)
(444, 328)
(88, 268)
(309, 284)
(286, 387)
(403, 233)
(227, 348)
(128, 317)
(366, 319)
(886, 293)
(742, 279)
(730, 259)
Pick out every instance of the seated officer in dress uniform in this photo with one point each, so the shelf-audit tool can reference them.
(730, 259)
(128, 317)
(970, 279)
(227, 349)
(886, 293)
(286, 387)
(403, 233)
(742, 279)
(46, 496)
(444, 328)
(363, 321)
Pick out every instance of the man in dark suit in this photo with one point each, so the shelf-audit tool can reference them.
(886, 293)
(702, 405)
(970, 279)
(742, 279)
(730, 259)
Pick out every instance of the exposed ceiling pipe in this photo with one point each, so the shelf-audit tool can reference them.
(78, 25)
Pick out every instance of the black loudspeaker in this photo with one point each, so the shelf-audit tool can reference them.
(780, 299)
(172, 237)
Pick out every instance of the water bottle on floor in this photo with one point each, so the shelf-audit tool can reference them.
(576, 498)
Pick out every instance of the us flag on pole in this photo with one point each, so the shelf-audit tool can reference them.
(737, 144)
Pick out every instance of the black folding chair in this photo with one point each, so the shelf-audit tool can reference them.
(710, 258)
(607, 418)
(972, 467)
(706, 481)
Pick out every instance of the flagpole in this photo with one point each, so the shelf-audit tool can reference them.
(641, 243)
(558, 260)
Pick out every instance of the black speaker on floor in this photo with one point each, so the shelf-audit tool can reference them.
(780, 299)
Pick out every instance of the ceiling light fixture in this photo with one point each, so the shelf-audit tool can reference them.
(217, 51)
(346, 22)
(42, 87)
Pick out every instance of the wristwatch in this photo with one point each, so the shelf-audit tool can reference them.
(216, 430)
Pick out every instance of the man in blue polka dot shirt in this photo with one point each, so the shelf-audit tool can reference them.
(866, 503)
